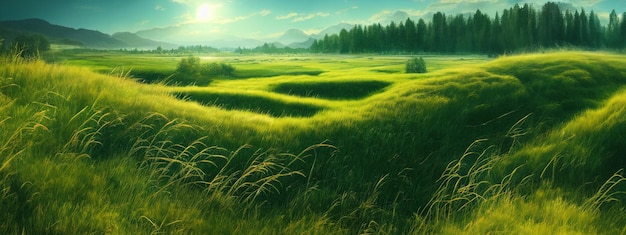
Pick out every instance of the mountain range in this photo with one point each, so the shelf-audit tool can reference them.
(167, 38)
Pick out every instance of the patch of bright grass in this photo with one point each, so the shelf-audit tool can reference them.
(543, 212)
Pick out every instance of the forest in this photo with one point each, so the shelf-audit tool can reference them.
(516, 29)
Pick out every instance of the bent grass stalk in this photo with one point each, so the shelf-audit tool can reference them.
(460, 187)
(158, 227)
(10, 147)
(86, 135)
(174, 165)
(463, 185)
(606, 193)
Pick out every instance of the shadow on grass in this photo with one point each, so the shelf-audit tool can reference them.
(243, 74)
(388, 71)
(246, 102)
(332, 90)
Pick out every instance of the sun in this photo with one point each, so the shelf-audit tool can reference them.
(203, 12)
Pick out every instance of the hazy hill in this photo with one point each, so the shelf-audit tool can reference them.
(168, 37)
(332, 30)
(133, 40)
(305, 44)
(85, 37)
(88, 38)
(397, 17)
(294, 38)
(180, 35)
(161, 34)
(293, 35)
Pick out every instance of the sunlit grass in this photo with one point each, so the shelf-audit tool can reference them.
(85, 152)
(543, 212)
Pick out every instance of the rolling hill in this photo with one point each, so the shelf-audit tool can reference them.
(88, 38)
(521, 144)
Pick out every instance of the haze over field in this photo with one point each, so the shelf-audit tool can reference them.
(202, 21)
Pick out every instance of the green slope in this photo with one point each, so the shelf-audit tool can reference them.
(530, 143)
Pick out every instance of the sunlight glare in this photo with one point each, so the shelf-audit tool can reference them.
(203, 12)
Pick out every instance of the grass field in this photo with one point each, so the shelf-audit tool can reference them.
(315, 144)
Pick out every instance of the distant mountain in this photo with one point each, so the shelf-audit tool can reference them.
(305, 44)
(277, 44)
(293, 35)
(134, 41)
(296, 38)
(169, 37)
(167, 34)
(196, 35)
(57, 33)
(396, 17)
(231, 42)
(332, 30)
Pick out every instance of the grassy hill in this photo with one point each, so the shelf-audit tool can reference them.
(521, 144)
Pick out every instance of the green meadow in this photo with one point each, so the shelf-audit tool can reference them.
(314, 144)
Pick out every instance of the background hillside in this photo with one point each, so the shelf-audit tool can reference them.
(80, 37)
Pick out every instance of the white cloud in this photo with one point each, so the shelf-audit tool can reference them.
(144, 22)
(380, 16)
(311, 31)
(284, 17)
(603, 17)
(265, 12)
(310, 16)
(339, 12)
(184, 2)
(585, 3)
(159, 8)
(465, 1)
(302, 17)
(241, 18)
(187, 18)
(274, 35)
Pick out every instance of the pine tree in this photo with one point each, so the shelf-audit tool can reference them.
(421, 35)
(613, 30)
(495, 41)
(572, 21)
(623, 30)
(583, 37)
(551, 25)
(344, 41)
(438, 33)
(594, 37)
(516, 28)
(410, 35)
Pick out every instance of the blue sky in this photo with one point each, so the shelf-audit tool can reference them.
(252, 18)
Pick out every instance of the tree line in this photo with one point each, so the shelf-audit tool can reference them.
(270, 49)
(517, 28)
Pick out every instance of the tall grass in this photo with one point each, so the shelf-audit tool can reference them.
(15, 140)
(172, 158)
(92, 153)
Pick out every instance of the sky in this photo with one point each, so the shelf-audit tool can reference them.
(253, 18)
